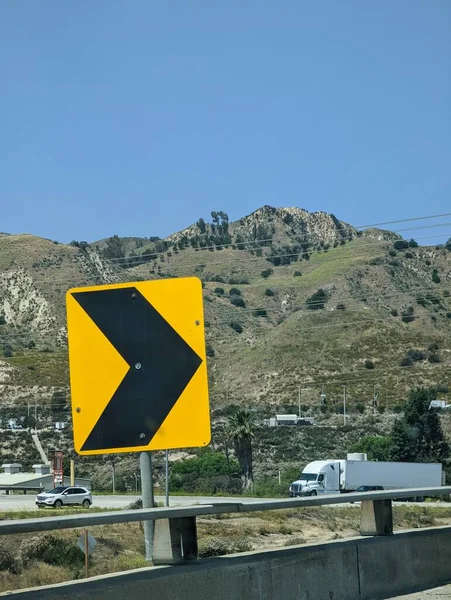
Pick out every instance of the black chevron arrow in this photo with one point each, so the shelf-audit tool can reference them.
(161, 366)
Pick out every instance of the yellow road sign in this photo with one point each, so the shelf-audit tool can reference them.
(138, 369)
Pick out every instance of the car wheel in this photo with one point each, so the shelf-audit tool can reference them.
(86, 503)
(57, 504)
(313, 493)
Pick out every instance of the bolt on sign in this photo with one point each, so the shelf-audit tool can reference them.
(138, 368)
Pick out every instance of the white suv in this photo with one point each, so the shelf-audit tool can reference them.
(65, 496)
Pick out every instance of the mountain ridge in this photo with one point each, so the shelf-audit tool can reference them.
(292, 299)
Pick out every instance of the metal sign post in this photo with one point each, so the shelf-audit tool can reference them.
(145, 463)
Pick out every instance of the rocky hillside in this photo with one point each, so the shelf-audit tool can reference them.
(296, 303)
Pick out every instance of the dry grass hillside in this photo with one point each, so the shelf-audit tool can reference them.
(270, 331)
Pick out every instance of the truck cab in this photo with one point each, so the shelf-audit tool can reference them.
(319, 477)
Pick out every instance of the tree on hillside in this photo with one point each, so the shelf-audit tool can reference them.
(114, 248)
(418, 436)
(317, 300)
(377, 447)
(241, 430)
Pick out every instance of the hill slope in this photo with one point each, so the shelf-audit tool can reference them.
(294, 302)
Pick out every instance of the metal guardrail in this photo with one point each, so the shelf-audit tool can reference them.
(8, 527)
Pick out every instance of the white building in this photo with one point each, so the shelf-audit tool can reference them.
(13, 478)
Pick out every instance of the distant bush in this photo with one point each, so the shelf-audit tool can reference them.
(219, 291)
(435, 276)
(266, 273)
(236, 326)
(400, 245)
(360, 407)
(7, 350)
(408, 255)
(434, 358)
(340, 307)
(448, 315)
(416, 355)
(421, 300)
(213, 546)
(2, 320)
(394, 312)
(413, 243)
(446, 293)
(406, 361)
(269, 292)
(237, 301)
(433, 346)
(369, 364)
(392, 253)
(297, 274)
(209, 350)
(51, 550)
(8, 561)
(260, 312)
(235, 292)
(317, 300)
(448, 245)
(235, 280)
(407, 315)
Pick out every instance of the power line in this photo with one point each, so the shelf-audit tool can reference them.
(338, 229)
(128, 277)
(262, 257)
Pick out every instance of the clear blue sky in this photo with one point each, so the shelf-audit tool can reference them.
(137, 117)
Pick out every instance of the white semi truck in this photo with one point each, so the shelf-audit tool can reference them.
(338, 476)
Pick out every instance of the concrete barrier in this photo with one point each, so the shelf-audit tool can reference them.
(353, 569)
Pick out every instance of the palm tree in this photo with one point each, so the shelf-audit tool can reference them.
(241, 430)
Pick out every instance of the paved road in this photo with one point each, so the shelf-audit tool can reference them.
(442, 593)
(22, 502)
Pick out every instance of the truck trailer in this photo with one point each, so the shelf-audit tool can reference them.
(340, 476)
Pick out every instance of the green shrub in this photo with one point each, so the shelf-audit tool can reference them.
(237, 301)
(297, 274)
(416, 355)
(51, 550)
(236, 326)
(406, 361)
(213, 546)
(209, 350)
(317, 300)
(340, 307)
(269, 292)
(434, 358)
(7, 350)
(392, 253)
(260, 312)
(219, 291)
(400, 245)
(266, 273)
(369, 364)
(8, 561)
(235, 292)
(2, 320)
(407, 315)
(435, 276)
(242, 545)
(394, 312)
